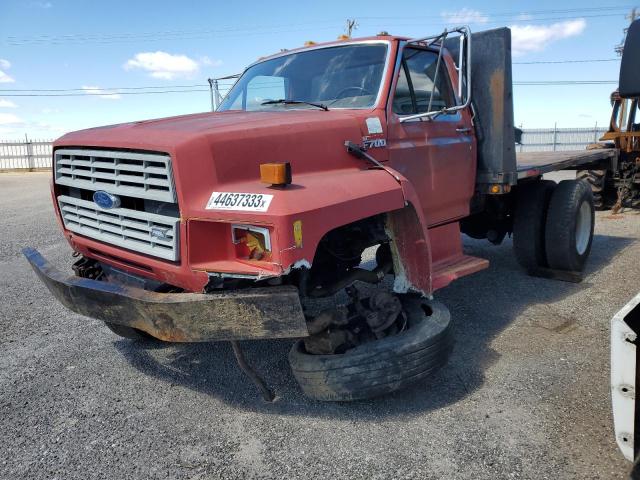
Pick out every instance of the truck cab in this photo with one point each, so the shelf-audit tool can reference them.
(195, 180)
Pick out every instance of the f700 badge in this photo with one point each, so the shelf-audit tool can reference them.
(374, 142)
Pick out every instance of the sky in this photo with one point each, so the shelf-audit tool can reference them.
(88, 63)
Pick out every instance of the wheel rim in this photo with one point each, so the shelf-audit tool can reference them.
(583, 228)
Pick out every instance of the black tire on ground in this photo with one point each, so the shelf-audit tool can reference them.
(382, 366)
(529, 222)
(635, 471)
(597, 181)
(569, 228)
(128, 332)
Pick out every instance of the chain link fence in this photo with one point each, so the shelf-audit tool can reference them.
(36, 154)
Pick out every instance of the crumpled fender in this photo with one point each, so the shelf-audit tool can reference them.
(410, 248)
(330, 201)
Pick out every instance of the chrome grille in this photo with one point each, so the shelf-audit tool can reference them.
(143, 232)
(140, 175)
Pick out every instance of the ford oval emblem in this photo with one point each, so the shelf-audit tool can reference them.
(106, 200)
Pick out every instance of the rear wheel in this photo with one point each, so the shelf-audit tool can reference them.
(529, 223)
(569, 226)
(128, 332)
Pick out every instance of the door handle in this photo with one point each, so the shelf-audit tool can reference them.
(463, 129)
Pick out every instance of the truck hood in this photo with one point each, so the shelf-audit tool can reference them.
(223, 151)
(172, 132)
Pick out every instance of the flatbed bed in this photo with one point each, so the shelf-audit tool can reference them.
(533, 164)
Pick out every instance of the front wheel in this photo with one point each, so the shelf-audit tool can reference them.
(380, 366)
(569, 226)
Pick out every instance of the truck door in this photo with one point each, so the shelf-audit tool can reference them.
(437, 155)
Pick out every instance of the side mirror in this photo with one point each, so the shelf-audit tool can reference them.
(630, 65)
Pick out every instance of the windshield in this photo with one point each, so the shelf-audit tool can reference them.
(346, 76)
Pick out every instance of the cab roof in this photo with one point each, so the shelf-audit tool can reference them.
(384, 38)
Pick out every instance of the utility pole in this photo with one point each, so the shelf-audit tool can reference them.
(351, 26)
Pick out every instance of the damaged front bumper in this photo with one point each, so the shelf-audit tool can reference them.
(253, 313)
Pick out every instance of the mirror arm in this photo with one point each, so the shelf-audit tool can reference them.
(465, 32)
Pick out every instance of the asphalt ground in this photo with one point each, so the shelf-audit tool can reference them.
(525, 394)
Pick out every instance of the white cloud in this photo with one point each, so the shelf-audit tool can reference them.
(535, 38)
(209, 62)
(42, 4)
(464, 16)
(4, 77)
(162, 64)
(101, 93)
(7, 103)
(168, 66)
(9, 119)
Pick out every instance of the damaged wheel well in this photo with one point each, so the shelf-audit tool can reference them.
(403, 250)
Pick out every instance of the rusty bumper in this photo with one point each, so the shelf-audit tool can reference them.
(273, 312)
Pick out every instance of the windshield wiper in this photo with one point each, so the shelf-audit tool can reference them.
(284, 101)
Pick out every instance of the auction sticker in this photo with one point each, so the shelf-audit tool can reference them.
(248, 202)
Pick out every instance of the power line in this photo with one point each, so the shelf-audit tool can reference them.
(98, 94)
(223, 84)
(103, 93)
(515, 14)
(567, 82)
(109, 89)
(223, 31)
(567, 61)
(503, 22)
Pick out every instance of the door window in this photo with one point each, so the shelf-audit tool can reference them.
(416, 83)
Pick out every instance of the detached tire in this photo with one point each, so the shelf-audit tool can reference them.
(529, 223)
(128, 332)
(569, 228)
(596, 179)
(382, 366)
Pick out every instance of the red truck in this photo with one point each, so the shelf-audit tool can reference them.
(228, 225)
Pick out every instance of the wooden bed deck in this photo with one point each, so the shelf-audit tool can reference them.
(537, 163)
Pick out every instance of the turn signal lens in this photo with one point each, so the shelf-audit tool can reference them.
(252, 243)
(275, 173)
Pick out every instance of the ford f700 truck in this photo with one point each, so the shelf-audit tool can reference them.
(226, 225)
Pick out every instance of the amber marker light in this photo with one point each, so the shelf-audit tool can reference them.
(276, 174)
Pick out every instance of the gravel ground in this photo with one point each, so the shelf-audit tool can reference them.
(525, 395)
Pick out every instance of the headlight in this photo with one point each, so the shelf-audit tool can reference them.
(252, 242)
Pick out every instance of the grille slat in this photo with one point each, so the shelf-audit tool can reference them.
(121, 227)
(140, 175)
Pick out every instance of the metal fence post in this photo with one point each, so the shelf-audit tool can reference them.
(30, 158)
(595, 133)
(555, 135)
